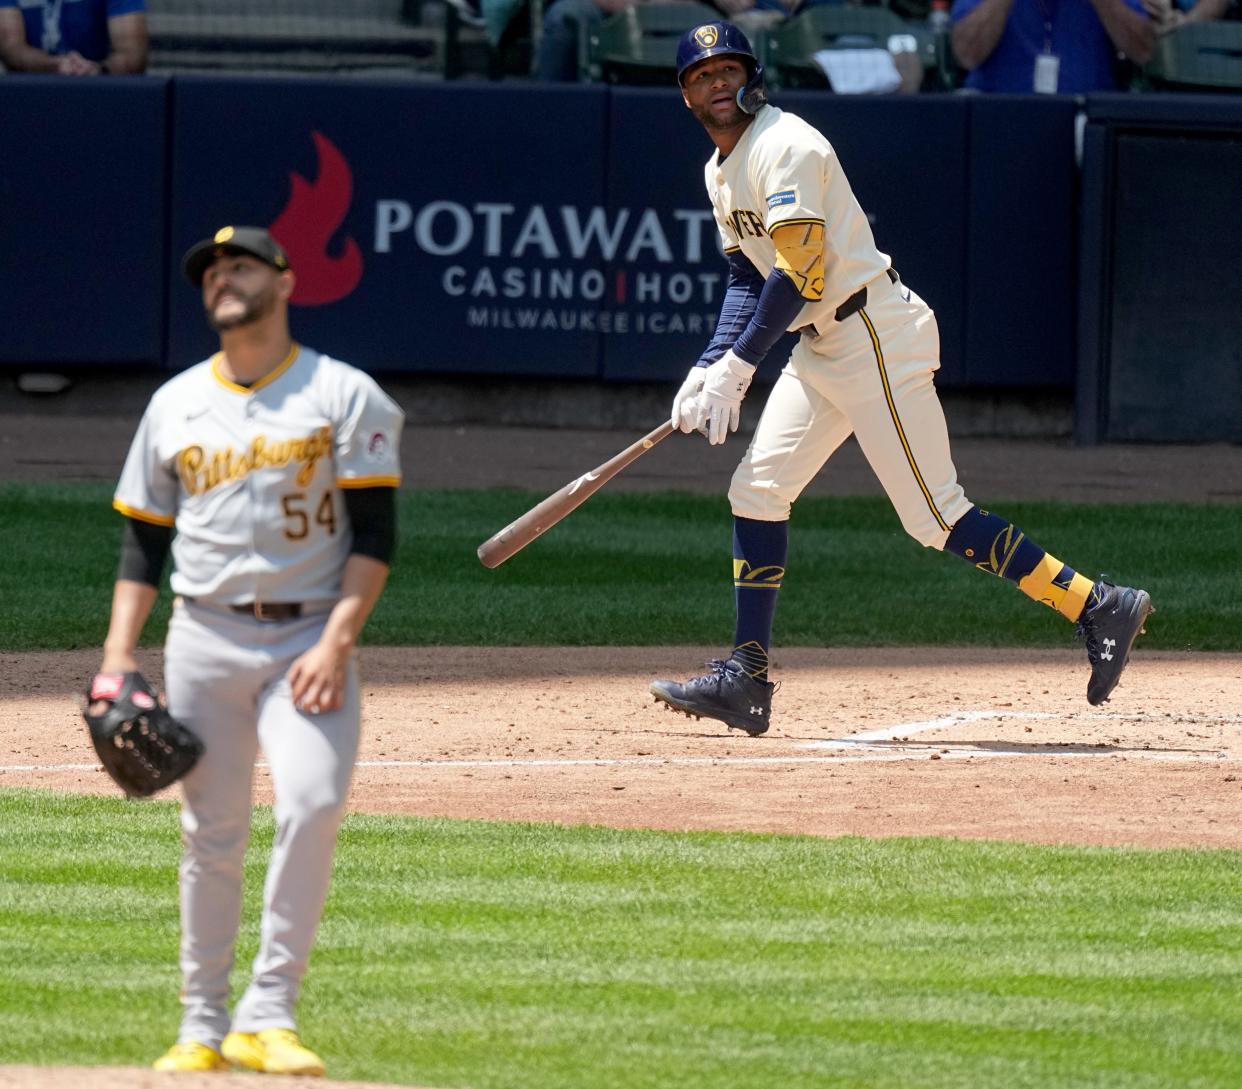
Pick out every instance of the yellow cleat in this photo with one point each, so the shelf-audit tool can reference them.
(272, 1051)
(190, 1057)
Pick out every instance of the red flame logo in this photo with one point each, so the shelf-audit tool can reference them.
(313, 213)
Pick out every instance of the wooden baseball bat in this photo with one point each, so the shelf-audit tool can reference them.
(544, 515)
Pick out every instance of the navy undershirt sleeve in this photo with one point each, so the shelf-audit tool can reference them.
(736, 310)
(779, 304)
(755, 312)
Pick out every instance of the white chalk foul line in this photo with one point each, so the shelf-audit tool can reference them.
(892, 733)
(871, 756)
(864, 743)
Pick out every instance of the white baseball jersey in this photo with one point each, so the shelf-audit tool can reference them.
(251, 477)
(784, 171)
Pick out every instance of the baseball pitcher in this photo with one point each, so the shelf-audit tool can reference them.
(277, 467)
(802, 258)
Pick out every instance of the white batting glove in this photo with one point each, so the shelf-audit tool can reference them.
(685, 414)
(720, 400)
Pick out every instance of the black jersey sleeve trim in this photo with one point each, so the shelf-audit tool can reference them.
(144, 551)
(373, 515)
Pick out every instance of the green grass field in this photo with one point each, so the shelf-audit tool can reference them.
(656, 569)
(540, 957)
(505, 956)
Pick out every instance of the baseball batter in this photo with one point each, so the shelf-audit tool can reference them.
(802, 258)
(277, 467)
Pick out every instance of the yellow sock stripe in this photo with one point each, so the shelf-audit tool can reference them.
(892, 411)
(752, 646)
(1038, 584)
(1067, 600)
(1011, 546)
(767, 577)
(752, 656)
(1076, 597)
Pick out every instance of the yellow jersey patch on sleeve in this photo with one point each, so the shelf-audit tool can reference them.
(800, 255)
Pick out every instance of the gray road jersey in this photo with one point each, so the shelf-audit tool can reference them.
(252, 478)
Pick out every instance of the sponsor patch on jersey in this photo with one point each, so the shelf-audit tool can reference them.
(378, 445)
(785, 196)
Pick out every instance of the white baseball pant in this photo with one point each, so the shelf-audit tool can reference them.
(870, 374)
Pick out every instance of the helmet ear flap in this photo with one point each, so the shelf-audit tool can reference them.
(752, 97)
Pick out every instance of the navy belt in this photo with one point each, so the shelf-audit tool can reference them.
(847, 309)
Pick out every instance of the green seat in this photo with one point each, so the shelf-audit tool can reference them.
(639, 44)
(1198, 57)
(791, 45)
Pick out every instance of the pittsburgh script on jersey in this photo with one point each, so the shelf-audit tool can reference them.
(201, 470)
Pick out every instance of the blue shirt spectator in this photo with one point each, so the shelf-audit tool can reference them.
(74, 37)
(1168, 15)
(1001, 42)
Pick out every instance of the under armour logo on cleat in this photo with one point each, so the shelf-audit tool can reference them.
(756, 710)
(1106, 655)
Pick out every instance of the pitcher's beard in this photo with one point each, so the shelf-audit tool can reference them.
(254, 310)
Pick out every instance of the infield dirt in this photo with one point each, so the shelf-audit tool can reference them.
(977, 743)
(970, 742)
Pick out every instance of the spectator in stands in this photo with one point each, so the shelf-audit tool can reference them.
(557, 57)
(1168, 15)
(1052, 46)
(74, 37)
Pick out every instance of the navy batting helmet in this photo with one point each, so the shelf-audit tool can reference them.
(721, 39)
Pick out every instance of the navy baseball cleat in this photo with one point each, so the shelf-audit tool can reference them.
(1110, 628)
(727, 693)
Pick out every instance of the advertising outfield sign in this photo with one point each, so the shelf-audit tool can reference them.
(508, 229)
(446, 229)
(525, 229)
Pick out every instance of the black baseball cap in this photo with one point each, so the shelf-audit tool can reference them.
(252, 241)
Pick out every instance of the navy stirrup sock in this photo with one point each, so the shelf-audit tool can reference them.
(991, 544)
(759, 552)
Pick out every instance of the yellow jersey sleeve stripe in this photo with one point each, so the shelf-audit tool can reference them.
(793, 222)
(368, 482)
(800, 255)
(147, 516)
